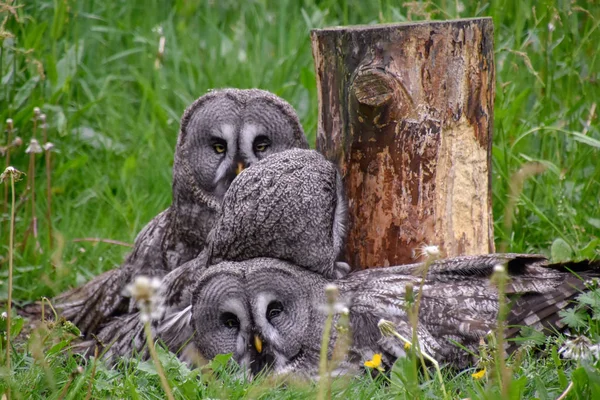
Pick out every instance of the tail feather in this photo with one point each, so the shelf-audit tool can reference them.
(538, 307)
(122, 336)
(90, 305)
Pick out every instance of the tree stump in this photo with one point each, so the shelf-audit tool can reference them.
(407, 110)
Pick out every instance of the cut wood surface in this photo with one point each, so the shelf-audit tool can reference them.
(407, 111)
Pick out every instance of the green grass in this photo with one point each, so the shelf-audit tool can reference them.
(89, 65)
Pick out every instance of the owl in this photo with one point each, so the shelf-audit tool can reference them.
(289, 206)
(221, 133)
(268, 313)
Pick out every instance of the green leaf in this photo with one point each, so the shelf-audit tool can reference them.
(25, 91)
(590, 298)
(16, 326)
(57, 347)
(573, 318)
(220, 361)
(561, 251)
(147, 367)
(58, 22)
(592, 249)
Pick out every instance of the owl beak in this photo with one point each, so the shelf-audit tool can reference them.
(240, 168)
(258, 344)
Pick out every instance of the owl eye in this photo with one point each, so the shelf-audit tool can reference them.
(230, 320)
(261, 144)
(274, 309)
(219, 147)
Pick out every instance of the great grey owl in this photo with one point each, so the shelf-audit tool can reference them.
(289, 206)
(221, 133)
(267, 311)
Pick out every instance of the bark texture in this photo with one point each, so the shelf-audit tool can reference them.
(407, 111)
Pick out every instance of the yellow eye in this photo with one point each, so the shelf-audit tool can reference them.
(230, 320)
(261, 147)
(219, 148)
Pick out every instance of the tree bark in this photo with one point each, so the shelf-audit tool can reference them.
(406, 110)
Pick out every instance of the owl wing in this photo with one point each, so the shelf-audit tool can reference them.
(124, 335)
(459, 302)
(90, 305)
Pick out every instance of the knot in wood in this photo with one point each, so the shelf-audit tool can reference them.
(373, 87)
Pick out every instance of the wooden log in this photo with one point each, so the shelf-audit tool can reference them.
(407, 111)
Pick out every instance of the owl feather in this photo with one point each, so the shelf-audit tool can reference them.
(220, 131)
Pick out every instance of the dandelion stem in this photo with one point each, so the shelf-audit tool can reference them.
(11, 239)
(157, 364)
(414, 315)
(48, 181)
(324, 376)
(504, 373)
(428, 357)
(323, 370)
(564, 394)
(9, 130)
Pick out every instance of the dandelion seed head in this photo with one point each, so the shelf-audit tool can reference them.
(387, 328)
(143, 288)
(43, 117)
(430, 252)
(580, 348)
(11, 172)
(4, 315)
(551, 27)
(34, 147)
(145, 291)
(36, 111)
(48, 146)
(17, 142)
(9, 123)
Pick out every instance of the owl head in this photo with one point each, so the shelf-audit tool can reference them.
(261, 311)
(289, 206)
(226, 131)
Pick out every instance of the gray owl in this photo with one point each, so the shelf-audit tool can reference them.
(266, 312)
(289, 206)
(221, 133)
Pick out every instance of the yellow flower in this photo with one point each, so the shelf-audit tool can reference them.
(375, 363)
(407, 345)
(479, 374)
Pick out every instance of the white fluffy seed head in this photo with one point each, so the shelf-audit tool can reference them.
(387, 328)
(143, 288)
(34, 147)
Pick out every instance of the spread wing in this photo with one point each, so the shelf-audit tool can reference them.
(459, 301)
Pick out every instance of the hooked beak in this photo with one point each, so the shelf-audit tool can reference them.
(258, 344)
(240, 168)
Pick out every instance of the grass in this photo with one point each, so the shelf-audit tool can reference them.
(90, 66)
